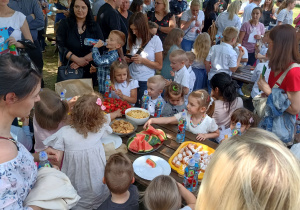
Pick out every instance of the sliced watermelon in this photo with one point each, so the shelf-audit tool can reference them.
(151, 163)
(146, 146)
(161, 132)
(144, 132)
(143, 136)
(133, 145)
(158, 132)
(154, 140)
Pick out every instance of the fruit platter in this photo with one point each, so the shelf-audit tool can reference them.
(113, 104)
(179, 160)
(146, 141)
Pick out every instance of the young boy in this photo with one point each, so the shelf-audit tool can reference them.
(188, 64)
(222, 57)
(179, 70)
(155, 87)
(118, 177)
(115, 41)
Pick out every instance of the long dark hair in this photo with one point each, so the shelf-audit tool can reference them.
(210, 7)
(17, 76)
(135, 4)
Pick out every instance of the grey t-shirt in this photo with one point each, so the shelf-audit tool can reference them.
(169, 110)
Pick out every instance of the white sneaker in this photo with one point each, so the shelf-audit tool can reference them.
(240, 92)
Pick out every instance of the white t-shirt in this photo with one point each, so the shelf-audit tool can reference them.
(16, 21)
(222, 57)
(236, 49)
(222, 22)
(255, 77)
(186, 208)
(141, 72)
(147, 8)
(247, 12)
(208, 125)
(285, 16)
(191, 31)
(192, 79)
(182, 77)
(125, 88)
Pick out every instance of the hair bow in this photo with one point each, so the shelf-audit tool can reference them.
(99, 103)
(251, 120)
(175, 88)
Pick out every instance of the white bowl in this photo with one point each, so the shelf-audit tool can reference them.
(137, 121)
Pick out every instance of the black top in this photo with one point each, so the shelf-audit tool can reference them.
(208, 21)
(131, 204)
(163, 23)
(125, 26)
(266, 17)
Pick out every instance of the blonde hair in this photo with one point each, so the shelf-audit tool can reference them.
(162, 194)
(202, 46)
(179, 54)
(252, 171)
(284, 5)
(121, 35)
(233, 9)
(158, 80)
(119, 64)
(195, 3)
(167, 7)
(202, 97)
(173, 38)
(190, 55)
(230, 33)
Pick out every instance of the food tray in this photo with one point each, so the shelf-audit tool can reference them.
(184, 144)
(125, 134)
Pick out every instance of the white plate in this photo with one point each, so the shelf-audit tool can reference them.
(143, 170)
(112, 138)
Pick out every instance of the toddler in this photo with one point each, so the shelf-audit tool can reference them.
(262, 48)
(118, 177)
(222, 57)
(202, 46)
(192, 77)
(115, 42)
(164, 193)
(155, 87)
(174, 100)
(122, 85)
(198, 122)
(84, 157)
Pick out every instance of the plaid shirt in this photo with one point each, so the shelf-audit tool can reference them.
(103, 62)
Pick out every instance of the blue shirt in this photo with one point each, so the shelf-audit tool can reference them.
(28, 7)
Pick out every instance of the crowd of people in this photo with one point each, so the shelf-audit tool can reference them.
(171, 50)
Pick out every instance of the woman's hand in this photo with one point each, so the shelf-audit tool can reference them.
(80, 61)
(193, 18)
(264, 86)
(12, 41)
(127, 59)
(137, 59)
(257, 37)
(74, 65)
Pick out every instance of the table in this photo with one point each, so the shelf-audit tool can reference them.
(167, 149)
(243, 74)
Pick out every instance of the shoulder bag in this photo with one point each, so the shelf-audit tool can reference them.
(212, 31)
(66, 72)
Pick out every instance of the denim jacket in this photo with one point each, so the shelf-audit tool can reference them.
(276, 119)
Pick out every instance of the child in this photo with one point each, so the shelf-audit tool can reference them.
(179, 71)
(192, 77)
(155, 87)
(285, 12)
(237, 48)
(164, 193)
(152, 27)
(222, 57)
(118, 177)
(115, 42)
(201, 48)
(84, 156)
(123, 86)
(262, 48)
(197, 121)
(174, 100)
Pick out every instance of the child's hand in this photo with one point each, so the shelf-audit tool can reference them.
(137, 59)
(112, 86)
(257, 36)
(172, 73)
(72, 102)
(118, 113)
(99, 44)
(53, 154)
(201, 137)
(93, 69)
(25, 121)
(148, 123)
(168, 82)
(242, 52)
(119, 93)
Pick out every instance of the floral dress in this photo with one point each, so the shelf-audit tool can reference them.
(17, 178)
(163, 23)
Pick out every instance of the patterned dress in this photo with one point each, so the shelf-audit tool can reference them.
(163, 23)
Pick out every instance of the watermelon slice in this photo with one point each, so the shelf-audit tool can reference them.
(146, 146)
(133, 145)
(154, 140)
(151, 163)
(143, 136)
(158, 132)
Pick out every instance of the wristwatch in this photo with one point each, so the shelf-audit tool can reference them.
(159, 27)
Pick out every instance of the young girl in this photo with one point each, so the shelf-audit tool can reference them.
(123, 86)
(174, 98)
(198, 122)
(201, 48)
(84, 158)
(250, 32)
(285, 12)
(164, 193)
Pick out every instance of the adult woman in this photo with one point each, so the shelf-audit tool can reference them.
(19, 89)
(71, 34)
(146, 51)
(163, 18)
(252, 171)
(229, 18)
(224, 90)
(285, 12)
(15, 20)
(136, 6)
(210, 13)
(268, 11)
(192, 22)
(125, 15)
(283, 41)
(60, 8)
(171, 43)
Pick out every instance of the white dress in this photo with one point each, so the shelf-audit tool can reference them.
(84, 163)
(125, 88)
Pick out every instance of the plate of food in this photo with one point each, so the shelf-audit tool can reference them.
(179, 160)
(146, 141)
(149, 166)
(112, 138)
(137, 115)
(123, 127)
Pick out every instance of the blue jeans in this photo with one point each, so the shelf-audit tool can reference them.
(201, 79)
(187, 45)
(140, 92)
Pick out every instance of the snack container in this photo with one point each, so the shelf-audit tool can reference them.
(180, 170)
(135, 120)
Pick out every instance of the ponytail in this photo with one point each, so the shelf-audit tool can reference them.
(284, 5)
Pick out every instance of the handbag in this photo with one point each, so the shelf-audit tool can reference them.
(260, 101)
(212, 31)
(66, 72)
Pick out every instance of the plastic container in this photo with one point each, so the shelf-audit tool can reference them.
(196, 157)
(92, 42)
(145, 100)
(44, 162)
(63, 94)
(158, 107)
(180, 137)
(237, 129)
(189, 180)
(107, 87)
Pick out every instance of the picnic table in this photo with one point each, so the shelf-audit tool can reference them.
(167, 149)
(243, 74)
